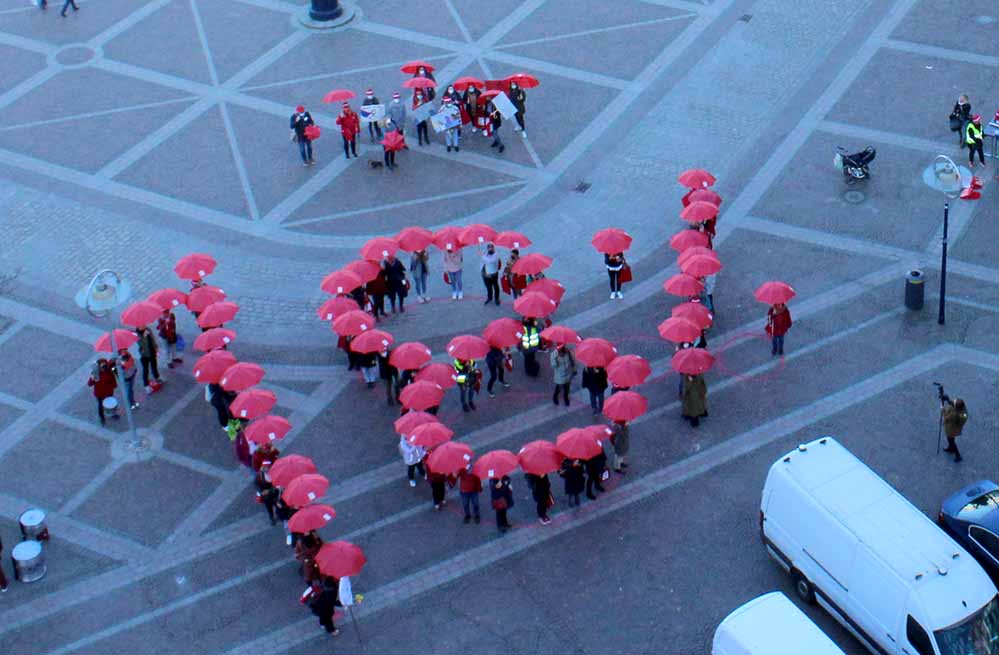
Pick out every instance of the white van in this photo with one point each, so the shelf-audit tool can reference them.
(770, 625)
(877, 564)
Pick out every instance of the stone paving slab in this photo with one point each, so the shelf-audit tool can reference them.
(971, 30)
(561, 17)
(22, 65)
(48, 27)
(259, 30)
(48, 356)
(432, 18)
(8, 415)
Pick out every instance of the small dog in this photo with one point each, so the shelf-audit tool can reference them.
(374, 163)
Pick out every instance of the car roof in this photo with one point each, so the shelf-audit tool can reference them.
(767, 625)
(953, 505)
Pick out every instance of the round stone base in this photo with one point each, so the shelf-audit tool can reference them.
(149, 441)
(349, 13)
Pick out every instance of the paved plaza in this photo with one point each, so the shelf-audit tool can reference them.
(133, 132)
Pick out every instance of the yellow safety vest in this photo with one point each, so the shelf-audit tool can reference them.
(459, 368)
(972, 133)
(531, 338)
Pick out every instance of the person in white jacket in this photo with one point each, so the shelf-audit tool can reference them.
(413, 457)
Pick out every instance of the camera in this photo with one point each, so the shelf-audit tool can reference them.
(944, 398)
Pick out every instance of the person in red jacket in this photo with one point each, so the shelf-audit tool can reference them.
(265, 453)
(166, 326)
(470, 487)
(778, 323)
(350, 125)
(104, 383)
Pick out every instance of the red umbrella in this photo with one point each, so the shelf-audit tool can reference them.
(122, 339)
(168, 298)
(336, 306)
(504, 332)
(531, 264)
(705, 195)
(412, 67)
(203, 296)
(596, 352)
(523, 80)
(217, 314)
(468, 346)
(495, 464)
(421, 394)
(289, 467)
(304, 489)
(311, 518)
(534, 305)
(774, 292)
(477, 233)
(696, 251)
(214, 339)
(414, 238)
(372, 341)
(194, 266)
(448, 238)
(252, 403)
(437, 373)
(267, 428)
(339, 282)
(692, 361)
(379, 248)
(209, 368)
(241, 376)
(486, 96)
(394, 141)
(141, 313)
(406, 423)
(548, 286)
(625, 406)
(688, 238)
(539, 458)
(700, 266)
(560, 335)
(364, 269)
(409, 356)
(353, 323)
(611, 240)
(338, 95)
(696, 178)
(430, 435)
(683, 285)
(698, 212)
(450, 457)
(511, 239)
(696, 312)
(578, 443)
(419, 83)
(599, 431)
(679, 330)
(340, 559)
(628, 370)
(463, 83)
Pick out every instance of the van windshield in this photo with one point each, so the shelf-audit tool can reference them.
(978, 635)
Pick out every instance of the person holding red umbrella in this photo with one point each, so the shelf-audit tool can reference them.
(530, 342)
(306, 549)
(300, 120)
(563, 371)
(467, 376)
(419, 266)
(325, 602)
(496, 360)
(615, 263)
(267, 493)
(512, 281)
(519, 100)
(412, 456)
(350, 126)
(470, 100)
(266, 452)
(501, 492)
(595, 382)
(422, 134)
(596, 469)
(395, 281)
(778, 323)
(148, 350)
(541, 492)
(438, 486)
(470, 487)
(427, 73)
(166, 326)
(695, 399)
(575, 479)
(390, 374)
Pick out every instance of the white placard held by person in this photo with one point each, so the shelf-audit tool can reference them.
(505, 107)
(371, 113)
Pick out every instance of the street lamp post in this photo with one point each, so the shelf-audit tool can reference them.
(324, 10)
(948, 179)
(941, 318)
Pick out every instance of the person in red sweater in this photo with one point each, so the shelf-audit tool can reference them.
(166, 326)
(103, 381)
(470, 487)
(350, 125)
(778, 323)
(265, 453)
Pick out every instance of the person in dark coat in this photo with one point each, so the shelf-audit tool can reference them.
(575, 480)
(621, 439)
(305, 552)
(430, 91)
(502, 497)
(960, 117)
(695, 399)
(614, 264)
(778, 323)
(265, 453)
(541, 492)
(390, 374)
(324, 604)
(266, 491)
(519, 100)
(955, 415)
(103, 381)
(395, 282)
(300, 120)
(496, 119)
(422, 132)
(3, 578)
(369, 368)
(221, 399)
(438, 486)
(595, 381)
(148, 350)
(496, 361)
(595, 468)
(376, 290)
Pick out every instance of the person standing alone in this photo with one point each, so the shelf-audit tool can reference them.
(955, 415)
(778, 323)
(491, 266)
(975, 140)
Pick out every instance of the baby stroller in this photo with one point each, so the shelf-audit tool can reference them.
(854, 166)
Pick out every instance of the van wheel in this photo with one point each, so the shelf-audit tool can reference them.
(803, 587)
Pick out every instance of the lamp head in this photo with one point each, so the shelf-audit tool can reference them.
(105, 292)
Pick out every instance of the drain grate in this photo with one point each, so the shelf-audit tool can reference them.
(746, 18)
(583, 187)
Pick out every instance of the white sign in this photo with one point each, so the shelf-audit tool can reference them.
(421, 113)
(371, 113)
(449, 116)
(503, 104)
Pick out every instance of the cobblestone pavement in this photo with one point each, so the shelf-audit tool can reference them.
(132, 133)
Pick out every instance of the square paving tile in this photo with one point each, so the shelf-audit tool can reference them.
(19, 65)
(973, 29)
(195, 432)
(480, 17)
(239, 33)
(49, 365)
(977, 243)
(77, 27)
(8, 415)
(431, 18)
(557, 17)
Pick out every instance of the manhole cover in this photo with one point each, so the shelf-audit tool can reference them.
(854, 197)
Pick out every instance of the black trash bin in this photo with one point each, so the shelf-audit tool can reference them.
(914, 290)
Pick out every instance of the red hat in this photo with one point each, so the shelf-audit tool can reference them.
(447, 99)
(977, 118)
(346, 105)
(300, 109)
(396, 95)
(369, 92)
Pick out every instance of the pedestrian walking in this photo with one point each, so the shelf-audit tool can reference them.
(695, 399)
(955, 415)
(128, 371)
(595, 382)
(220, 399)
(306, 549)
(470, 487)
(975, 140)
(148, 351)
(496, 361)
(708, 292)
(496, 121)
(530, 342)
(300, 120)
(467, 376)
(350, 125)
(490, 270)
(102, 379)
(959, 118)
(519, 100)
(267, 452)
(438, 486)
(369, 368)
(373, 127)
(621, 440)
(395, 282)
(422, 133)
(376, 290)
(614, 264)
(166, 327)
(267, 494)
(66, 5)
(513, 283)
(396, 112)
(596, 473)
(3, 578)
(541, 492)
(501, 492)
(575, 480)
(778, 323)
(419, 266)
(390, 374)
(413, 457)
(454, 262)
(324, 604)
(563, 370)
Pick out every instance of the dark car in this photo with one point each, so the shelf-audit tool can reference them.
(971, 516)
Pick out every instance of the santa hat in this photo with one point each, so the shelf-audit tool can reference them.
(396, 95)
(346, 105)
(977, 118)
(369, 92)
(447, 99)
(300, 109)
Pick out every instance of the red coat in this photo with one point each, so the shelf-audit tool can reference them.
(349, 124)
(469, 483)
(104, 385)
(167, 328)
(262, 455)
(778, 323)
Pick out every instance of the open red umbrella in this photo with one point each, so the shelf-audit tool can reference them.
(578, 443)
(419, 83)
(412, 67)
(504, 332)
(340, 282)
(683, 285)
(289, 467)
(430, 435)
(241, 376)
(696, 251)
(774, 292)
(692, 361)
(414, 238)
(267, 428)
(696, 178)
(168, 298)
(695, 312)
(698, 212)
(611, 240)
(495, 464)
(700, 266)
(141, 313)
(311, 518)
(394, 141)
(628, 370)
(523, 80)
(336, 306)
(365, 269)
(599, 431)
(534, 305)
(625, 406)
(511, 239)
(203, 296)
(596, 352)
(122, 339)
(539, 457)
(372, 341)
(252, 403)
(679, 330)
(217, 314)
(338, 95)
(705, 195)
(214, 339)
(548, 286)
(379, 248)
(450, 457)
(422, 395)
(486, 96)
(463, 83)
(531, 264)
(438, 373)
(209, 368)
(194, 266)
(448, 238)
(468, 346)
(412, 419)
(304, 489)
(560, 335)
(477, 233)
(353, 323)
(340, 559)
(688, 238)
(409, 356)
